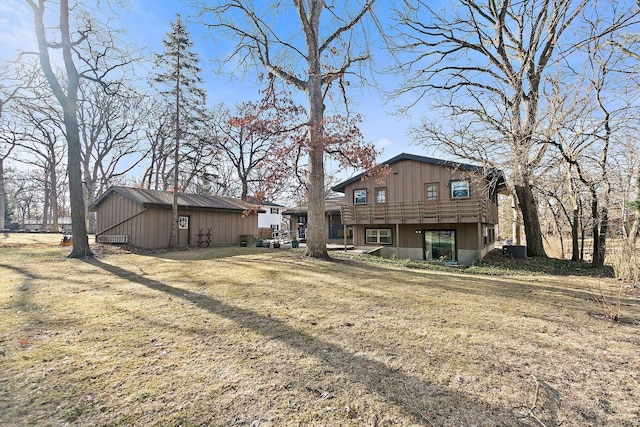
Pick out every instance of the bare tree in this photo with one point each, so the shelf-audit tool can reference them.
(597, 119)
(635, 226)
(7, 144)
(110, 136)
(65, 90)
(256, 140)
(41, 145)
(159, 131)
(14, 78)
(25, 190)
(324, 46)
(487, 61)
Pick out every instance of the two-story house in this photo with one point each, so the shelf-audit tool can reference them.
(272, 216)
(424, 208)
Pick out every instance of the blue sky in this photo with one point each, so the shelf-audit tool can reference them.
(146, 23)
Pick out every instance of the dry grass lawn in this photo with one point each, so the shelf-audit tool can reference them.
(259, 337)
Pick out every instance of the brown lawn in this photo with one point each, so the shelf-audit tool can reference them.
(259, 337)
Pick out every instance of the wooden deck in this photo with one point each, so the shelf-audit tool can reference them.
(421, 212)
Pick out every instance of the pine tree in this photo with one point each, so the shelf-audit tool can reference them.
(179, 83)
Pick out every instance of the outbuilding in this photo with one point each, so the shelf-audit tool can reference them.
(142, 218)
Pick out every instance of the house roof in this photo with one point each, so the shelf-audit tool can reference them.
(165, 198)
(330, 205)
(256, 201)
(440, 162)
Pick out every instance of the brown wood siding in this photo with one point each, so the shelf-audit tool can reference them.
(150, 228)
(155, 229)
(406, 198)
(406, 180)
(132, 216)
(226, 227)
(466, 234)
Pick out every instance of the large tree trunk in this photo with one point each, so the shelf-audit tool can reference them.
(316, 243)
(78, 222)
(575, 219)
(46, 208)
(575, 236)
(316, 239)
(595, 230)
(529, 209)
(602, 243)
(69, 103)
(54, 199)
(89, 191)
(633, 231)
(245, 185)
(601, 224)
(516, 230)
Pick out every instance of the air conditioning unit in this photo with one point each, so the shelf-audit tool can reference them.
(514, 251)
(113, 238)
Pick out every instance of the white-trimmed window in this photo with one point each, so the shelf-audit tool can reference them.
(460, 189)
(183, 222)
(381, 195)
(360, 196)
(378, 236)
(275, 211)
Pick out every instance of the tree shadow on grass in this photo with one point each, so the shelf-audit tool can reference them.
(25, 289)
(541, 289)
(421, 402)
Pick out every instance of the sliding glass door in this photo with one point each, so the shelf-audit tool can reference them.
(439, 245)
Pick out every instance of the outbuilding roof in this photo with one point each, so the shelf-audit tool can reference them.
(330, 205)
(493, 173)
(165, 198)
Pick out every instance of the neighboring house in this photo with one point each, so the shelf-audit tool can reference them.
(142, 218)
(272, 215)
(424, 208)
(335, 229)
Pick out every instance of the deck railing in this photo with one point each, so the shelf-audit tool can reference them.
(419, 212)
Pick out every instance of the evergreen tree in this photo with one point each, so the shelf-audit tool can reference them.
(179, 83)
(9, 212)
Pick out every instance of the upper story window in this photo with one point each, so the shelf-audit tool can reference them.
(381, 195)
(360, 196)
(275, 210)
(431, 191)
(460, 189)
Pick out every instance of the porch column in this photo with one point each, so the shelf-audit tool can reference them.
(397, 240)
(479, 251)
(354, 237)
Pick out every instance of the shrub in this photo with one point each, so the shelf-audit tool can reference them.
(625, 262)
